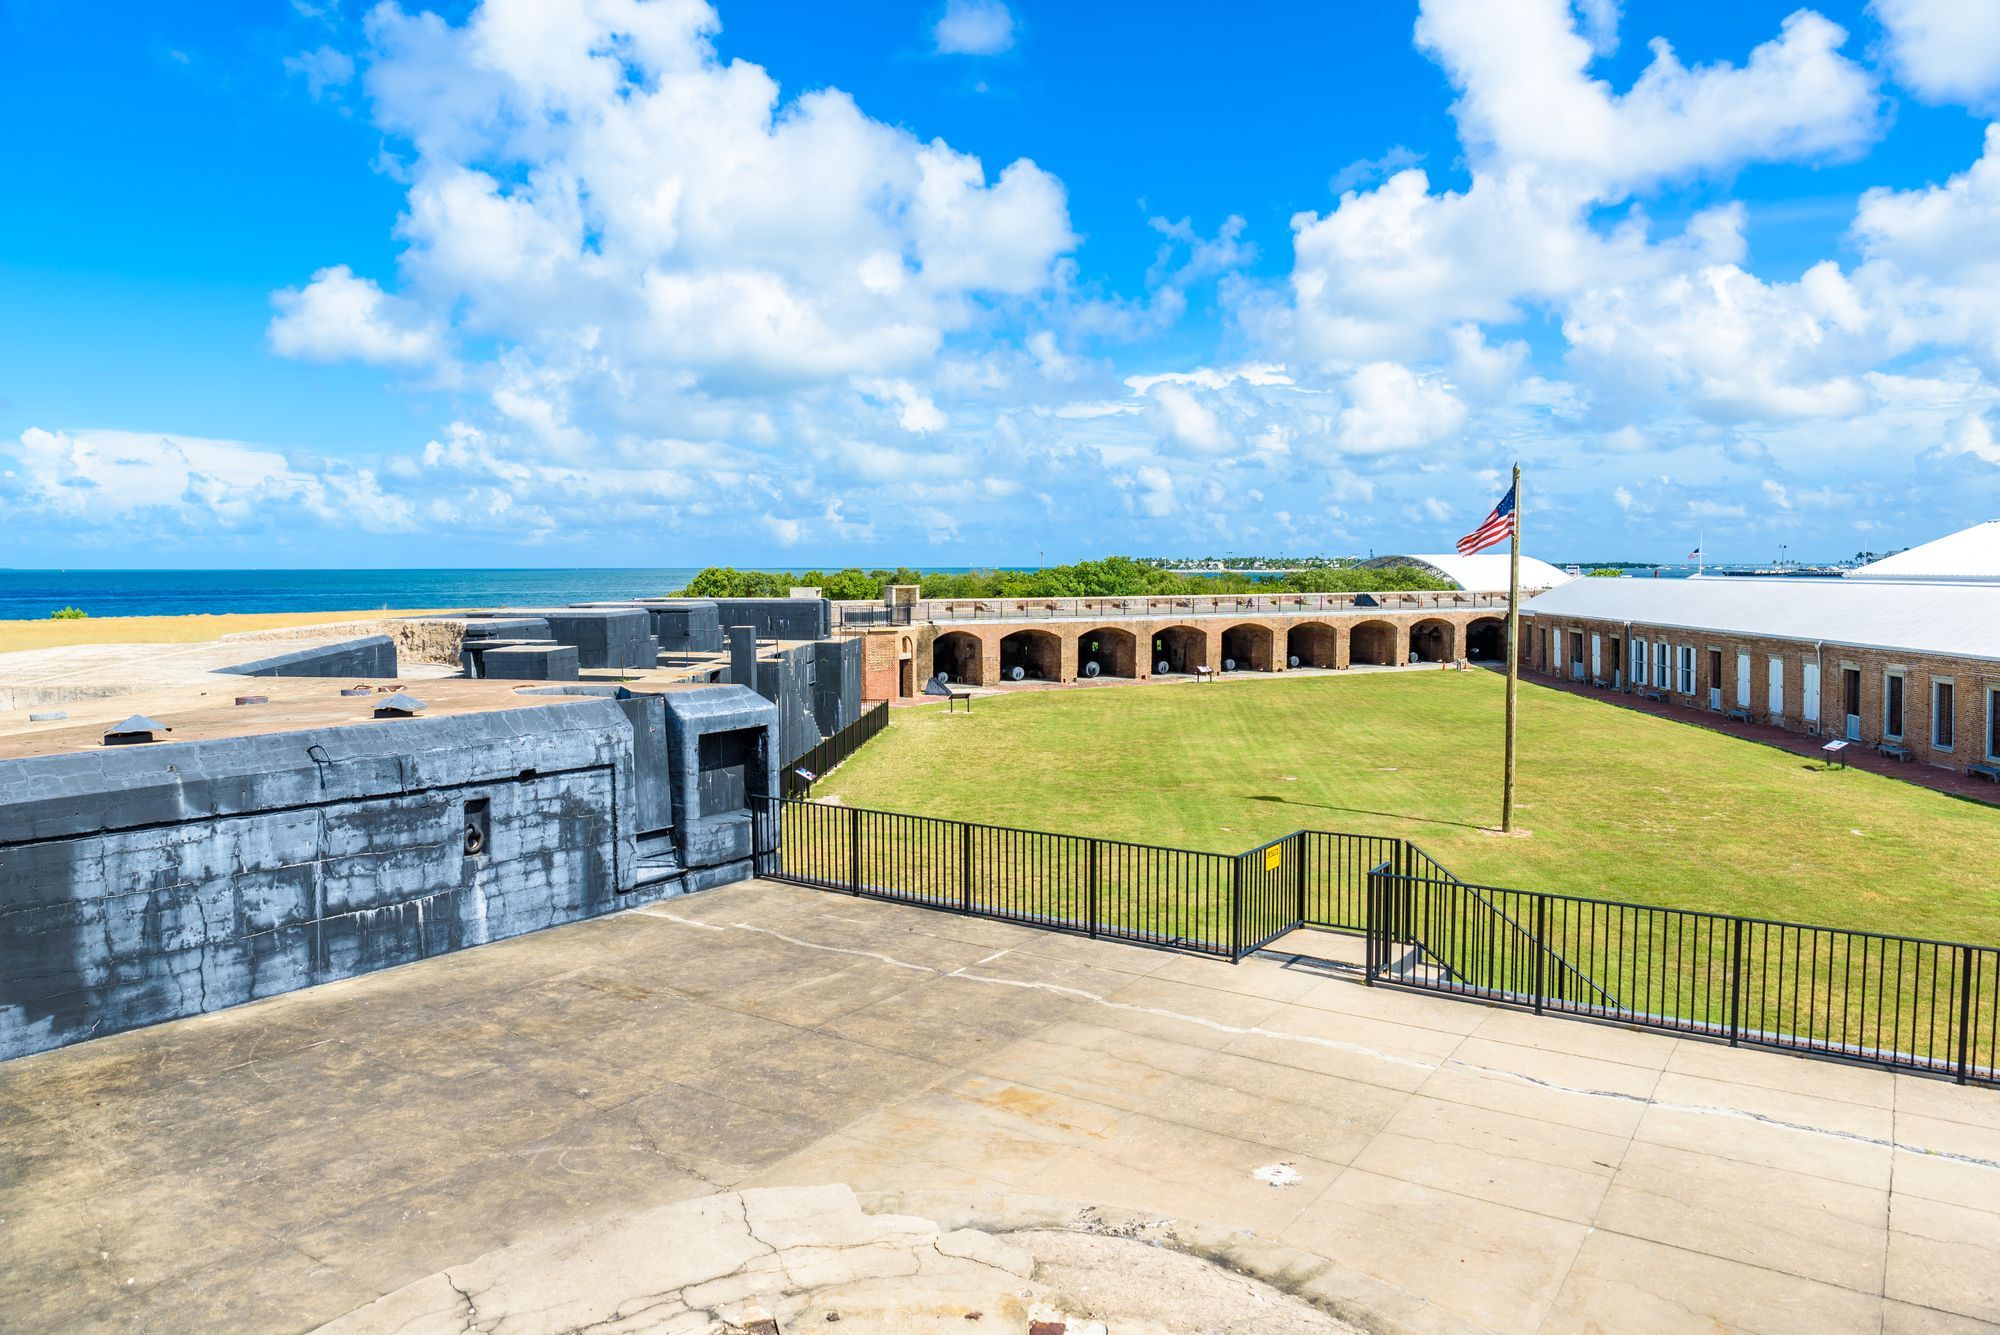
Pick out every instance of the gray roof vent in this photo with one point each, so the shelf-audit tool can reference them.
(400, 706)
(135, 731)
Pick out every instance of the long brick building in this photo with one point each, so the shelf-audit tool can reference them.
(1903, 656)
(992, 642)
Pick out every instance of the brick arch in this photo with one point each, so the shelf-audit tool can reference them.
(1182, 648)
(1486, 639)
(1035, 654)
(1434, 640)
(1113, 650)
(1250, 646)
(961, 656)
(1312, 644)
(1374, 642)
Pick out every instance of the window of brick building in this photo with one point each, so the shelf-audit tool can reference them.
(1638, 661)
(1892, 706)
(1993, 722)
(1685, 684)
(1944, 715)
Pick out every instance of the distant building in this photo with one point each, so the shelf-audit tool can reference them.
(1485, 573)
(1903, 655)
(1969, 556)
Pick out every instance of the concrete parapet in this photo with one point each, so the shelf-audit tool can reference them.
(530, 662)
(369, 656)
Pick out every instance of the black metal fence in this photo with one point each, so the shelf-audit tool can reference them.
(830, 752)
(1903, 1002)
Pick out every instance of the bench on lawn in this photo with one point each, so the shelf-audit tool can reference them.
(1895, 751)
(1984, 770)
(1648, 693)
(1739, 714)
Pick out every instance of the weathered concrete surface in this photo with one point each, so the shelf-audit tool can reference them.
(39, 678)
(1450, 1167)
(806, 1257)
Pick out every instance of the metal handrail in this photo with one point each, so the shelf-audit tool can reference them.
(1157, 605)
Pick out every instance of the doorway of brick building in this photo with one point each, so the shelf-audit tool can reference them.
(1850, 695)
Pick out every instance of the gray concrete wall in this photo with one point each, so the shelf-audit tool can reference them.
(141, 884)
(368, 656)
(778, 618)
(720, 839)
(836, 684)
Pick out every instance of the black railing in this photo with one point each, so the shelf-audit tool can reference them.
(1904, 1002)
(864, 616)
(821, 760)
(1101, 887)
(1155, 606)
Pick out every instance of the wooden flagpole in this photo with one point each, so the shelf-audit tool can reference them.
(1513, 652)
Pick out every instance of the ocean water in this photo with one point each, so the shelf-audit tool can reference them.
(33, 594)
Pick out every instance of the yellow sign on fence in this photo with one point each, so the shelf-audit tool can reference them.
(1274, 857)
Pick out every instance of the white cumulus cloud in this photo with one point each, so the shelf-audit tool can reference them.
(1392, 408)
(974, 28)
(1526, 96)
(339, 316)
(1945, 50)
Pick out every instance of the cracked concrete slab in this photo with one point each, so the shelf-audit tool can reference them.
(806, 1257)
(772, 1100)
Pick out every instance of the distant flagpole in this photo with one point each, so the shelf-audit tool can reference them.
(1513, 652)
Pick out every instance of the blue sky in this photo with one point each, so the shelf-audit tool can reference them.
(651, 282)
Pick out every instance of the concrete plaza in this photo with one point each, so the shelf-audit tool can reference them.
(765, 1099)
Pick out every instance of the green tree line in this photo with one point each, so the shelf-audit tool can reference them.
(1113, 577)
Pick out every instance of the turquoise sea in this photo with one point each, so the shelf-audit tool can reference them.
(33, 594)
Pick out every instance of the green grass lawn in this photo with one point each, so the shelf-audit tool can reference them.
(1621, 805)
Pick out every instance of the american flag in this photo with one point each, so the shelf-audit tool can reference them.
(1496, 527)
(1695, 555)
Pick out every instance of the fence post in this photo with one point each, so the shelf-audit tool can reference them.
(1300, 842)
(1372, 918)
(1236, 909)
(1541, 945)
(1965, 959)
(1093, 889)
(965, 868)
(854, 851)
(1735, 979)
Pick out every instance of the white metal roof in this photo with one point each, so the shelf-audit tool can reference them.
(1961, 620)
(1971, 554)
(1485, 573)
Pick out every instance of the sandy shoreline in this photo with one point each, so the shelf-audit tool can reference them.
(189, 629)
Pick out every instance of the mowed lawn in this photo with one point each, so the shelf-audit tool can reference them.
(1620, 804)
